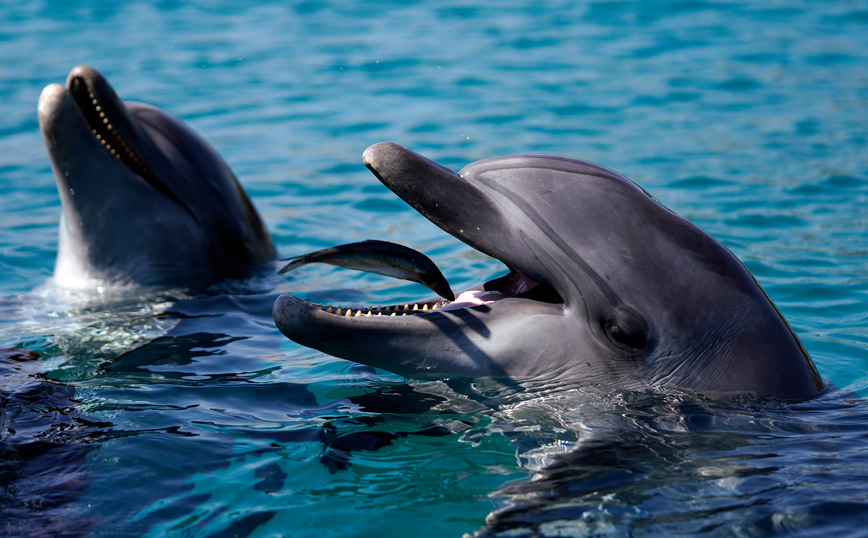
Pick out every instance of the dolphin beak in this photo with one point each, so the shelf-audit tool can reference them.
(439, 194)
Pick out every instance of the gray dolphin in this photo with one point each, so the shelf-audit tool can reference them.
(606, 285)
(145, 199)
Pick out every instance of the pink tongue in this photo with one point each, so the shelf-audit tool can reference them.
(473, 298)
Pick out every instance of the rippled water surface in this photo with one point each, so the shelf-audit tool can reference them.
(160, 412)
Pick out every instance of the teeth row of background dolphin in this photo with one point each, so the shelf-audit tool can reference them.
(396, 310)
(110, 128)
(112, 146)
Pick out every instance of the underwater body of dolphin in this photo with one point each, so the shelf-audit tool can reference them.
(145, 199)
(606, 285)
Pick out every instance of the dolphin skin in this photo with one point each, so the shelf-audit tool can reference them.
(382, 258)
(145, 199)
(605, 285)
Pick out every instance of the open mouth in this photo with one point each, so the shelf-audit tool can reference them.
(398, 261)
(450, 202)
(511, 285)
(451, 333)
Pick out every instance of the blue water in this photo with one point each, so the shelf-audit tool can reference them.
(163, 413)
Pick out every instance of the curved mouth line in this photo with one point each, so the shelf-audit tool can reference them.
(94, 112)
(512, 285)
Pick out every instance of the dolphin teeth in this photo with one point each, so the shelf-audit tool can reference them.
(358, 313)
(339, 311)
(349, 312)
(415, 307)
(425, 306)
(393, 314)
(329, 310)
(368, 314)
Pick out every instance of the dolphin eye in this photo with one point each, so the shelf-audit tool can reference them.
(625, 338)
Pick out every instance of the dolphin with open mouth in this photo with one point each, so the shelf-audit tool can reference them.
(605, 285)
(145, 199)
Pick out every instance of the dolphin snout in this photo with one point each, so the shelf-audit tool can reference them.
(49, 100)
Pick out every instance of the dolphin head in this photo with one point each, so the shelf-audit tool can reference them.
(606, 285)
(145, 199)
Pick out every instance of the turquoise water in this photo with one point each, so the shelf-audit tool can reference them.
(162, 413)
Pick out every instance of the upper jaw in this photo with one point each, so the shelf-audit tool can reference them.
(439, 194)
(473, 212)
(460, 206)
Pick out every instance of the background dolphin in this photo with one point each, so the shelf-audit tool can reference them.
(145, 199)
(606, 285)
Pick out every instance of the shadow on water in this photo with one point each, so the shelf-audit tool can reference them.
(57, 422)
(169, 350)
(44, 444)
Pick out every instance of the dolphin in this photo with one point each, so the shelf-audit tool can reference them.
(605, 286)
(145, 199)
